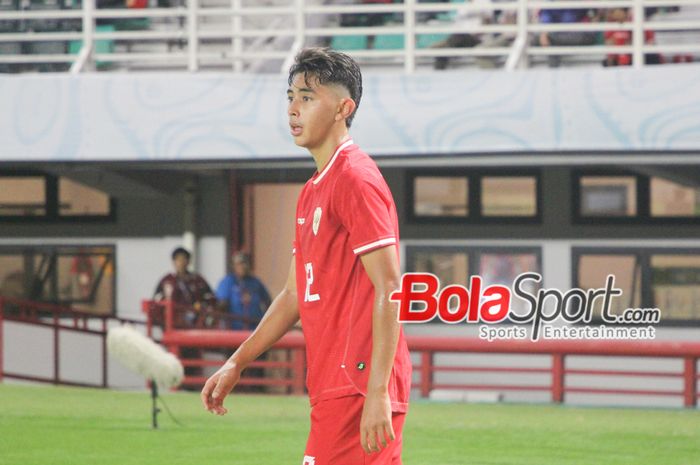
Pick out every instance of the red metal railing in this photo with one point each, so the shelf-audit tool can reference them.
(65, 319)
(428, 347)
(559, 350)
(168, 314)
(59, 318)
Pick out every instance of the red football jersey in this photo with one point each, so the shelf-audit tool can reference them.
(344, 211)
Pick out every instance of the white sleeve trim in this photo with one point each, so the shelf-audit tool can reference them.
(371, 245)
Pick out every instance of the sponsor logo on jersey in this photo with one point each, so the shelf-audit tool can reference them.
(317, 220)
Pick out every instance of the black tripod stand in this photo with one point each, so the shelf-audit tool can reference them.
(155, 409)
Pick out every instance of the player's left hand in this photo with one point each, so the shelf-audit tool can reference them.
(376, 430)
(218, 386)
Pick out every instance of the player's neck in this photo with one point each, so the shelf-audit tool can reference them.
(323, 153)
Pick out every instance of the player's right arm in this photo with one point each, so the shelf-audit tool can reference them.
(279, 318)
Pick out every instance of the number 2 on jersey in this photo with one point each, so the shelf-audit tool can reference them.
(308, 296)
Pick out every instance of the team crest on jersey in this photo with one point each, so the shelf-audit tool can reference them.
(308, 460)
(317, 220)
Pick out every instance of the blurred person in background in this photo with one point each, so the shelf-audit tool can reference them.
(467, 20)
(185, 288)
(563, 38)
(624, 37)
(244, 296)
(192, 294)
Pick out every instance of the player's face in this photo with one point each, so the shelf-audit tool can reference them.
(312, 111)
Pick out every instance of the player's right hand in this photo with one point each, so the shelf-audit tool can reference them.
(218, 386)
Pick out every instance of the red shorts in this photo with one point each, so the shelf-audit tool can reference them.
(335, 435)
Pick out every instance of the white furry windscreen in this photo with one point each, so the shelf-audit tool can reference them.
(142, 355)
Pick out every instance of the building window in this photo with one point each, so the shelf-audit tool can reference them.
(80, 276)
(593, 270)
(503, 267)
(477, 195)
(508, 196)
(39, 197)
(456, 265)
(675, 285)
(608, 196)
(449, 267)
(670, 199)
(441, 196)
(667, 279)
(612, 196)
(75, 199)
(22, 196)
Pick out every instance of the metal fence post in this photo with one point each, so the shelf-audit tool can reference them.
(105, 360)
(558, 374)
(56, 349)
(89, 32)
(523, 38)
(192, 36)
(426, 373)
(409, 23)
(638, 34)
(2, 311)
(298, 357)
(690, 382)
(300, 37)
(169, 317)
(237, 41)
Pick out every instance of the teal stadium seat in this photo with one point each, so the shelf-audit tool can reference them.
(358, 42)
(449, 15)
(389, 42)
(427, 40)
(101, 46)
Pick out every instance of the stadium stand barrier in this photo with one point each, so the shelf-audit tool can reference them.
(428, 347)
(59, 319)
(166, 314)
(240, 36)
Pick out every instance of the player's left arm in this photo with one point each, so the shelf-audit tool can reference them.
(382, 266)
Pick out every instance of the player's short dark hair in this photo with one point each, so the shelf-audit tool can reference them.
(181, 251)
(330, 67)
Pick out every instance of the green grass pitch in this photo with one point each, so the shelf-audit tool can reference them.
(74, 426)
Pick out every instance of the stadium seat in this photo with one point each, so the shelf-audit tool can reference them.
(427, 40)
(10, 48)
(7, 25)
(389, 42)
(101, 46)
(45, 25)
(349, 42)
(449, 15)
(132, 24)
(73, 24)
(53, 47)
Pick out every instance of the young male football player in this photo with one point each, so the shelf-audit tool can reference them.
(345, 267)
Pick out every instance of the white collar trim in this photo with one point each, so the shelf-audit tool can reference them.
(332, 160)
